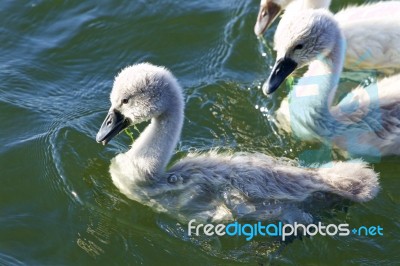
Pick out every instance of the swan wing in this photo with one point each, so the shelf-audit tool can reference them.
(375, 110)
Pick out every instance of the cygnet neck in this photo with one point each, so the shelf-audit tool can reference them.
(325, 73)
(152, 151)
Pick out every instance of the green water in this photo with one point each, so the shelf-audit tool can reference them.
(57, 201)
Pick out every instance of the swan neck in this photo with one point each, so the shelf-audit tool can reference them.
(152, 151)
(317, 88)
(315, 4)
(312, 97)
(297, 5)
(334, 67)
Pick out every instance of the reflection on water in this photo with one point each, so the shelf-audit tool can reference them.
(58, 204)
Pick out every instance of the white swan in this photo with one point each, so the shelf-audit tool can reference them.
(371, 30)
(365, 123)
(211, 186)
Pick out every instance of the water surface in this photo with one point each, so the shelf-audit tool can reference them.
(57, 202)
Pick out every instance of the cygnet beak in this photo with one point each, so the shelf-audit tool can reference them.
(266, 15)
(114, 123)
(281, 70)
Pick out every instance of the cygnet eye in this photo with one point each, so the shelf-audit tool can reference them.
(298, 47)
(125, 101)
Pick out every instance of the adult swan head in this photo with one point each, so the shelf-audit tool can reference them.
(210, 186)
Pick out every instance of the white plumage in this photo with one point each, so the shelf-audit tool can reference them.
(211, 186)
(365, 123)
(371, 31)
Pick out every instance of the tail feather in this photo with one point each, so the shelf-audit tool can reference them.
(353, 180)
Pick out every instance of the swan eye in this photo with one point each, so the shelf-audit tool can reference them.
(125, 101)
(298, 47)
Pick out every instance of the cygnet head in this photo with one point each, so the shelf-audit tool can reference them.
(140, 92)
(299, 40)
(270, 10)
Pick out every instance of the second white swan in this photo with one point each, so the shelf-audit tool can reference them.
(364, 123)
(371, 30)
